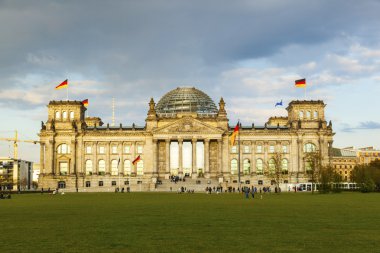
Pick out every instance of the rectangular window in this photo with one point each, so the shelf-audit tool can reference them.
(126, 182)
(259, 149)
(127, 149)
(113, 183)
(114, 149)
(88, 150)
(101, 150)
(233, 149)
(246, 149)
(284, 149)
(88, 184)
(139, 149)
(63, 168)
(100, 183)
(271, 149)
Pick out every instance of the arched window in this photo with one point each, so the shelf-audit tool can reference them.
(71, 115)
(63, 149)
(259, 166)
(88, 167)
(127, 167)
(246, 166)
(140, 168)
(114, 168)
(272, 165)
(102, 167)
(57, 115)
(308, 114)
(64, 115)
(301, 114)
(233, 166)
(284, 166)
(309, 147)
(315, 115)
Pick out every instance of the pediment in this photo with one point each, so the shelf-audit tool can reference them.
(188, 125)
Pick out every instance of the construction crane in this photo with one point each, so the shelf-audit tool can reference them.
(15, 140)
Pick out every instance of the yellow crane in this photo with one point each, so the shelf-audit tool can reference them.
(15, 140)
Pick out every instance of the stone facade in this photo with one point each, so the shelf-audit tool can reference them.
(79, 153)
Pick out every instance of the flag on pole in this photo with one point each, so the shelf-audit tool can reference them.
(85, 102)
(233, 135)
(136, 160)
(64, 84)
(278, 103)
(301, 83)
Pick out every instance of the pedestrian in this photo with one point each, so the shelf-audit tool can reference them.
(253, 194)
(246, 191)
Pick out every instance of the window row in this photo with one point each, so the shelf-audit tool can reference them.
(114, 149)
(307, 114)
(282, 166)
(308, 147)
(64, 115)
(259, 149)
(127, 167)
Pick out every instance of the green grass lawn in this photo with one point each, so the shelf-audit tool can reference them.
(169, 222)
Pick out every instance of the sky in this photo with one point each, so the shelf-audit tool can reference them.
(249, 52)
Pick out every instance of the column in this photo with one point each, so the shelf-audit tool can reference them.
(155, 167)
(72, 168)
(220, 157)
(53, 162)
(167, 157)
(180, 143)
(42, 158)
(300, 157)
(95, 158)
(194, 158)
(207, 154)
(121, 164)
(108, 162)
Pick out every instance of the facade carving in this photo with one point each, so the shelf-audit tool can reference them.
(188, 138)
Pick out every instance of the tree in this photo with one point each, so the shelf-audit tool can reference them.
(363, 176)
(328, 177)
(275, 170)
(313, 164)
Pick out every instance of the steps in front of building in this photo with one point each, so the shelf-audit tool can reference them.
(198, 185)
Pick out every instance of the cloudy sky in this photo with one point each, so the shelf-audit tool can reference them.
(248, 52)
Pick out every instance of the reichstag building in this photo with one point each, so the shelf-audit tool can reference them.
(186, 136)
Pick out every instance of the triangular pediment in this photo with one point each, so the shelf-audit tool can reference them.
(188, 125)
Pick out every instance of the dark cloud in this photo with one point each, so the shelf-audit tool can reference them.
(138, 49)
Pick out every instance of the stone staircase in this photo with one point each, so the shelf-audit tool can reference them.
(198, 185)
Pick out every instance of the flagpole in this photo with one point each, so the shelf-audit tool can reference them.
(239, 155)
(305, 92)
(67, 93)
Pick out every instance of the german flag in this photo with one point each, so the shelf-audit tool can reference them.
(64, 84)
(301, 83)
(85, 102)
(233, 135)
(136, 160)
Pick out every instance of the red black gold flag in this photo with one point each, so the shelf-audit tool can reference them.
(64, 84)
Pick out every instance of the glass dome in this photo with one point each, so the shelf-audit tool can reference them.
(186, 99)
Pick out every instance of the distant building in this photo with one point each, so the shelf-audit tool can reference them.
(187, 136)
(15, 174)
(367, 155)
(36, 172)
(344, 161)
